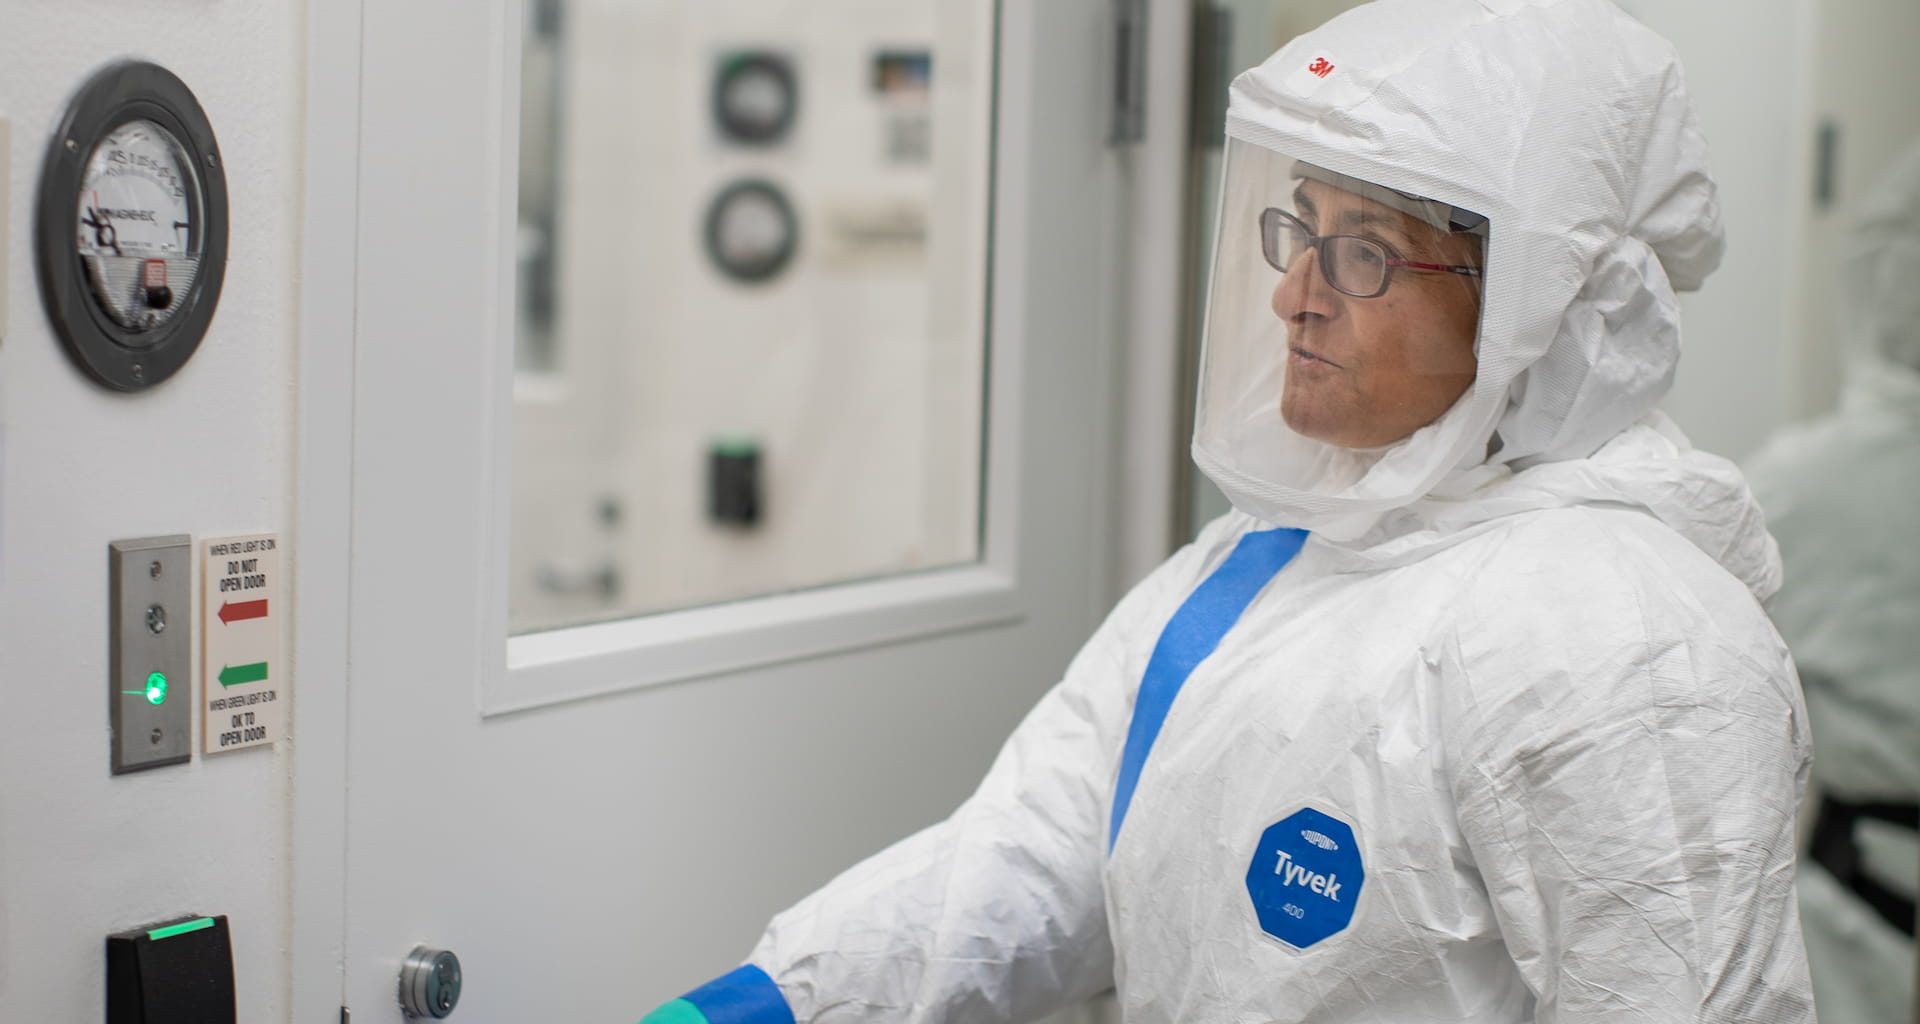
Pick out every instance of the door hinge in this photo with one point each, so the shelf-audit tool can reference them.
(1129, 72)
(346, 1016)
(1212, 43)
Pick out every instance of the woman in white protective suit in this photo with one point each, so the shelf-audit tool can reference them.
(1469, 712)
(1841, 493)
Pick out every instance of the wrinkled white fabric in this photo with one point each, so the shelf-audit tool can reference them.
(1565, 733)
(1538, 691)
(1841, 494)
(1568, 125)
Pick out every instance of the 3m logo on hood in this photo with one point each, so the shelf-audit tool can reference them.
(1305, 877)
(1309, 75)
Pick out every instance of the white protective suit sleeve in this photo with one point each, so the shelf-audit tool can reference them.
(1615, 779)
(997, 913)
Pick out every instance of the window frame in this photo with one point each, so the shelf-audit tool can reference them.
(574, 663)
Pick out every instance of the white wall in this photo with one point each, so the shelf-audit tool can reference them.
(1747, 68)
(83, 854)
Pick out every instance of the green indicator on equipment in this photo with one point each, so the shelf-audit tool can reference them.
(180, 929)
(156, 691)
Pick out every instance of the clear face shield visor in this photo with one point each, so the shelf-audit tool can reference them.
(1341, 329)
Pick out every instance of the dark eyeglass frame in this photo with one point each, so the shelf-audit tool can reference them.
(1273, 218)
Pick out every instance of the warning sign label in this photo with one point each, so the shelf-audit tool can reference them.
(244, 662)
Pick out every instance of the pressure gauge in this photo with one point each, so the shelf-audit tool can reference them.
(751, 231)
(132, 229)
(755, 98)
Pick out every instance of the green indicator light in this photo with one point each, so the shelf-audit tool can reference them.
(157, 688)
(180, 929)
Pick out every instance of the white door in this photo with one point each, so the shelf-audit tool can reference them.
(597, 818)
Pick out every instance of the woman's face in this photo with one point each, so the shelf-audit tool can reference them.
(1363, 373)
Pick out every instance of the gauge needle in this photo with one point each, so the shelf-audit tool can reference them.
(103, 233)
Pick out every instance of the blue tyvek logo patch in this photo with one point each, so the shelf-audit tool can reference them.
(1305, 877)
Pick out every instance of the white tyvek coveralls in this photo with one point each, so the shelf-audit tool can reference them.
(1538, 688)
(1842, 494)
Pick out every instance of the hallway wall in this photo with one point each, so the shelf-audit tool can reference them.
(208, 453)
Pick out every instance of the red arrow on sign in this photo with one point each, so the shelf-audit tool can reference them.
(231, 613)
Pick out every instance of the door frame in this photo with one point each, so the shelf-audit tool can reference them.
(578, 662)
(322, 527)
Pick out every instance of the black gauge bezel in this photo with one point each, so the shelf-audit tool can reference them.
(747, 131)
(118, 358)
(752, 271)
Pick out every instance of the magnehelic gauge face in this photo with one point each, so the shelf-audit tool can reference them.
(132, 229)
(136, 235)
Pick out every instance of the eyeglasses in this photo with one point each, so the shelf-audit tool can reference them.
(1352, 265)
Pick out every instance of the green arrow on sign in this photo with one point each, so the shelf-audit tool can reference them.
(234, 675)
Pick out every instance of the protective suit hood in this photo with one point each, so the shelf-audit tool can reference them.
(1650, 467)
(1568, 126)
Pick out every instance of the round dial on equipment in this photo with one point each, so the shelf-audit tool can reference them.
(751, 231)
(136, 235)
(132, 226)
(755, 98)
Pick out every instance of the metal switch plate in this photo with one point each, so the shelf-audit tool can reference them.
(150, 670)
